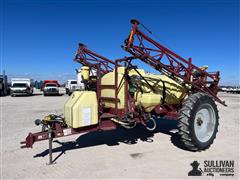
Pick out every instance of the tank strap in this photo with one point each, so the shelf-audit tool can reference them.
(164, 91)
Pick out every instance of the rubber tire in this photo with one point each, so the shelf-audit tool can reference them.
(186, 122)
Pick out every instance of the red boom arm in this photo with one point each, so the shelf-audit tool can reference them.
(171, 64)
(89, 58)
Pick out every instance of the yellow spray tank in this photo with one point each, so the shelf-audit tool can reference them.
(166, 90)
(81, 109)
(108, 94)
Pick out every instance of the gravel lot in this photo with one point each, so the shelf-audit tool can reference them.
(114, 154)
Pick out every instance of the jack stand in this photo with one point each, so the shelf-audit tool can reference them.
(50, 138)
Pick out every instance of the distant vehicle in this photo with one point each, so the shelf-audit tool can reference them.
(71, 85)
(3, 85)
(231, 89)
(222, 89)
(50, 87)
(21, 86)
(234, 90)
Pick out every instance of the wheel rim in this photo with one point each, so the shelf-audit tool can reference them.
(151, 124)
(204, 122)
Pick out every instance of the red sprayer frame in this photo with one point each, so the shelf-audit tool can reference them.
(91, 59)
(153, 54)
(171, 64)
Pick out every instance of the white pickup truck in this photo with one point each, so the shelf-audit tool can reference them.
(71, 85)
(21, 86)
(50, 87)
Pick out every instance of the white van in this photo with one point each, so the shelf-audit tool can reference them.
(21, 86)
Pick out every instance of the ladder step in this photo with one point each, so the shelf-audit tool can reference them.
(107, 115)
(109, 99)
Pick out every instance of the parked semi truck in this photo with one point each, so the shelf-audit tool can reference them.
(21, 86)
(3, 85)
(50, 87)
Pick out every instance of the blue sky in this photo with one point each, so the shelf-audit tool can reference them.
(39, 38)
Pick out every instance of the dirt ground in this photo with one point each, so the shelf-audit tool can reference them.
(115, 154)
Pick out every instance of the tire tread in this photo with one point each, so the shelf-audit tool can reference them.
(184, 121)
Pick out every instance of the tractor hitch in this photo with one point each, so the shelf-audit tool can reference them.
(56, 130)
(28, 142)
(33, 137)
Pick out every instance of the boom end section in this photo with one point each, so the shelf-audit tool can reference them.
(134, 21)
(81, 45)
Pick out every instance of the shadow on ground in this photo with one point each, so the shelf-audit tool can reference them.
(115, 137)
(25, 95)
(51, 95)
